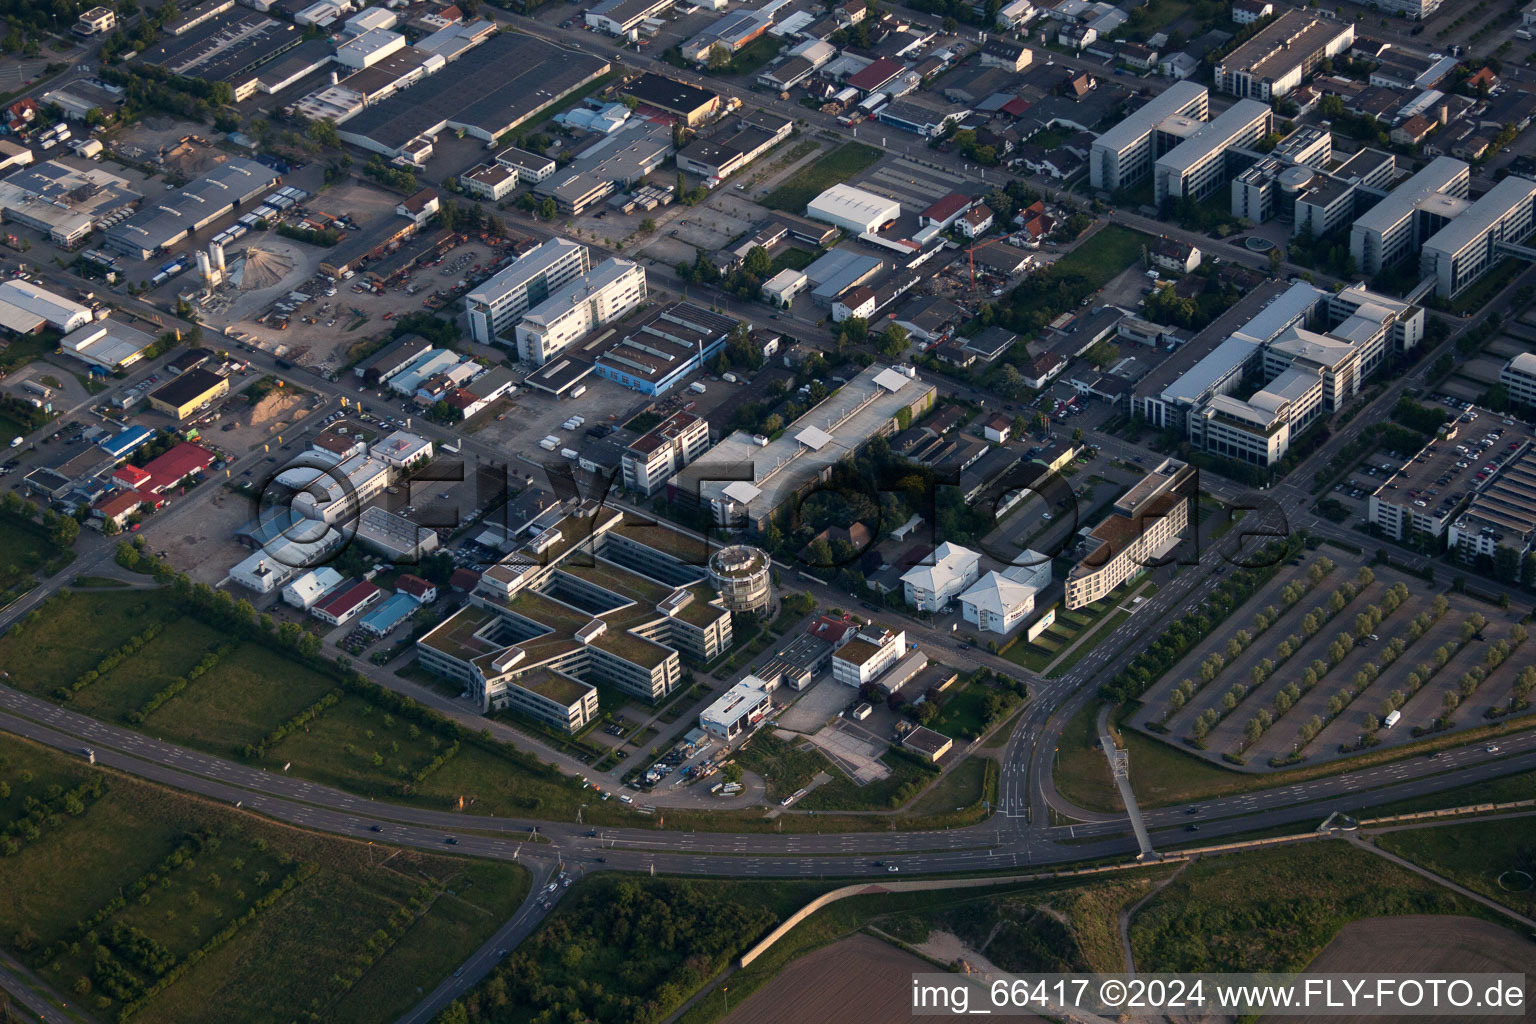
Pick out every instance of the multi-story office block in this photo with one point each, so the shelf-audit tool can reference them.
(496, 305)
(1199, 165)
(1124, 154)
(595, 595)
(1475, 242)
(1305, 374)
(1396, 227)
(652, 459)
(607, 292)
(1279, 58)
(1519, 379)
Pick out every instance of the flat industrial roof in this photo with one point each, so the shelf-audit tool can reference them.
(850, 415)
(492, 88)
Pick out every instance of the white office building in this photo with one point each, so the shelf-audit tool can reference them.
(951, 569)
(1197, 167)
(999, 601)
(494, 306)
(738, 710)
(607, 292)
(1519, 379)
(303, 592)
(1396, 227)
(862, 659)
(1475, 242)
(1124, 154)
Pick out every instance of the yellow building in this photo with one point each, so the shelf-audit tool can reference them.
(188, 393)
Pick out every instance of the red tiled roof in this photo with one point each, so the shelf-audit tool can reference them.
(875, 75)
(119, 504)
(133, 476)
(949, 206)
(464, 579)
(167, 470)
(413, 585)
(348, 598)
(830, 629)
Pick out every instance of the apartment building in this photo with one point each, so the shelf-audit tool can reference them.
(496, 305)
(652, 459)
(592, 594)
(1124, 154)
(1278, 59)
(1199, 165)
(1519, 379)
(1144, 525)
(607, 292)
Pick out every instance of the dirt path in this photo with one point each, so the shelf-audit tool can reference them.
(1442, 880)
(1127, 913)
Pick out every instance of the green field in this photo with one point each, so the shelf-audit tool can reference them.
(963, 786)
(1494, 858)
(908, 777)
(27, 549)
(1103, 254)
(171, 654)
(838, 165)
(238, 918)
(1275, 909)
(964, 712)
(54, 644)
(254, 690)
(783, 766)
(1081, 772)
(250, 693)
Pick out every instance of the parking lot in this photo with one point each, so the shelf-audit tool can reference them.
(1323, 681)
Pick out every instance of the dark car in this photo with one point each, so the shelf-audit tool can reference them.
(451, 841)
(375, 828)
(1192, 828)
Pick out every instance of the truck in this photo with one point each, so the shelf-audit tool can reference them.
(550, 443)
(16, 442)
(697, 387)
(729, 378)
(578, 390)
(569, 453)
(1393, 717)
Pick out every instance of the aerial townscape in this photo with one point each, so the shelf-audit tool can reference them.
(534, 511)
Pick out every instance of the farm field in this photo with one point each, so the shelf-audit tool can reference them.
(244, 706)
(1395, 945)
(856, 980)
(179, 910)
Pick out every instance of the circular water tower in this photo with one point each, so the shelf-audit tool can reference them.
(743, 577)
